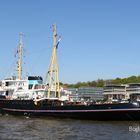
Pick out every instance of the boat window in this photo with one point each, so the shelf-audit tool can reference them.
(6, 93)
(7, 83)
(30, 86)
(35, 78)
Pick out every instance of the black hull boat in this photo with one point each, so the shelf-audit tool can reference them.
(30, 97)
(56, 108)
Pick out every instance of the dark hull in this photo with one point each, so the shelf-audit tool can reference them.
(120, 111)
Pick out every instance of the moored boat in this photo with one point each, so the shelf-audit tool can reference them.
(32, 97)
(56, 108)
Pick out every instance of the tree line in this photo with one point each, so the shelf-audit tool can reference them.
(101, 82)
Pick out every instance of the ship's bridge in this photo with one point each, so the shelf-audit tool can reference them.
(34, 80)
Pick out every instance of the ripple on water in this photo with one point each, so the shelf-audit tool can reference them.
(12, 127)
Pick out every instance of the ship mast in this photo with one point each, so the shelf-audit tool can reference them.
(52, 75)
(19, 67)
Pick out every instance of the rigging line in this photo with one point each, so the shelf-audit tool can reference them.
(10, 70)
(40, 51)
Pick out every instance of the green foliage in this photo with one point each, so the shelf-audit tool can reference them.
(101, 82)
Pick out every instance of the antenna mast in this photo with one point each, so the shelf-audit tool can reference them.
(52, 75)
(19, 67)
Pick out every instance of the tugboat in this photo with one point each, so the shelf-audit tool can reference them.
(45, 99)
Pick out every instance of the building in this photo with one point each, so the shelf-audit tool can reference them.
(134, 89)
(87, 93)
(115, 92)
(121, 92)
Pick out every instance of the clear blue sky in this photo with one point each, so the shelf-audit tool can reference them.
(100, 38)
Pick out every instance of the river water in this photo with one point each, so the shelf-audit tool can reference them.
(28, 128)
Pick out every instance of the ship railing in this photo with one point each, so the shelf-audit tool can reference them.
(43, 98)
(39, 86)
(40, 99)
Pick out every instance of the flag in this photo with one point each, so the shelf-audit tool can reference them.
(58, 43)
(17, 51)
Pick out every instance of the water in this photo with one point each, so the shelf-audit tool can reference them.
(26, 128)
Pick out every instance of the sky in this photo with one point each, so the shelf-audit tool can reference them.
(100, 38)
